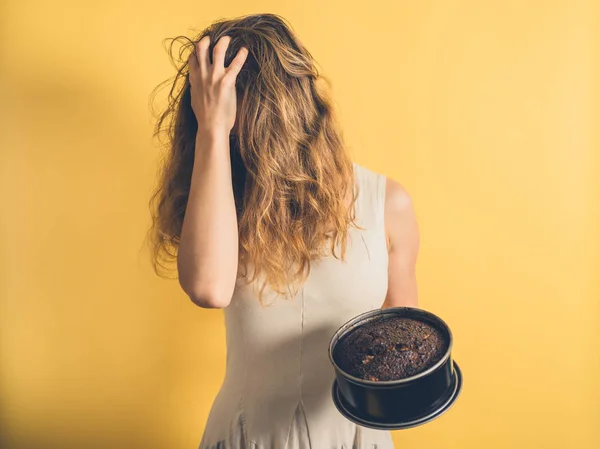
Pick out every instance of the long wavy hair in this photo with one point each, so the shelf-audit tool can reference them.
(291, 170)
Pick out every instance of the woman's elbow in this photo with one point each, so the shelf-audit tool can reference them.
(208, 298)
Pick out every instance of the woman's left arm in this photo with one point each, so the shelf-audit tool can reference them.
(403, 240)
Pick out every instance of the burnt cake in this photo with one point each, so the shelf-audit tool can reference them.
(390, 348)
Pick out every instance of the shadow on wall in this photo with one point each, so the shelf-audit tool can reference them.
(96, 344)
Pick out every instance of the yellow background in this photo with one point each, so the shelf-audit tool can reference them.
(487, 112)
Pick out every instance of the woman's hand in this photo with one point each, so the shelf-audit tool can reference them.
(212, 86)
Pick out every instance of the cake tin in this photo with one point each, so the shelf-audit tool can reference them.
(396, 404)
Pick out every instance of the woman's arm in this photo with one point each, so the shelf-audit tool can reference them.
(207, 260)
(403, 246)
(208, 249)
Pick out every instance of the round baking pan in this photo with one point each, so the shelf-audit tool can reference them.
(402, 403)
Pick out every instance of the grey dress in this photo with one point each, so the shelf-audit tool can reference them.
(276, 393)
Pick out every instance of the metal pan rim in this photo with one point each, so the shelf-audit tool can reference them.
(377, 313)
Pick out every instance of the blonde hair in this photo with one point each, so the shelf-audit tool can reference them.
(291, 171)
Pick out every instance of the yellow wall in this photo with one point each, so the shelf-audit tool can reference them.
(487, 111)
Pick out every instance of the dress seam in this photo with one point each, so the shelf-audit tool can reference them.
(301, 340)
(243, 395)
(306, 422)
(301, 351)
(300, 403)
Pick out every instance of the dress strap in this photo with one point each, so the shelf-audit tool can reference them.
(380, 205)
(371, 195)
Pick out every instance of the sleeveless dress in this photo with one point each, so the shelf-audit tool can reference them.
(276, 393)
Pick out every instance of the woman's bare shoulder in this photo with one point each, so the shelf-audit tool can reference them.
(399, 212)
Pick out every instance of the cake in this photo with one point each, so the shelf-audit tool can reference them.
(390, 348)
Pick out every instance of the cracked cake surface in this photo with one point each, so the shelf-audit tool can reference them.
(390, 348)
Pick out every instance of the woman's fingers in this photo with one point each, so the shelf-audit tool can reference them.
(192, 64)
(201, 60)
(219, 53)
(237, 63)
(202, 54)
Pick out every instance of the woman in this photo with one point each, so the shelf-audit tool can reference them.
(257, 177)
